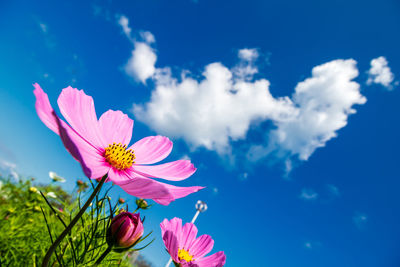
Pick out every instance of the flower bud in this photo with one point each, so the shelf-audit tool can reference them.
(121, 200)
(82, 186)
(126, 228)
(142, 204)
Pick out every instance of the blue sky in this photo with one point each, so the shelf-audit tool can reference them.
(289, 110)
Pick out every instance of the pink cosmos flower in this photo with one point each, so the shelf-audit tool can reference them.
(185, 249)
(101, 146)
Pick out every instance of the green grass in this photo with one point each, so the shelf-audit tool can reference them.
(28, 225)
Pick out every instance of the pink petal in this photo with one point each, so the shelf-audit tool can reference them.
(143, 187)
(83, 151)
(178, 192)
(151, 149)
(123, 177)
(189, 233)
(78, 109)
(139, 229)
(115, 126)
(91, 160)
(173, 171)
(215, 260)
(44, 109)
(171, 243)
(174, 225)
(201, 246)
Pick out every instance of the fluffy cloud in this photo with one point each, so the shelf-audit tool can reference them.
(380, 73)
(141, 64)
(124, 22)
(148, 37)
(218, 108)
(213, 110)
(323, 103)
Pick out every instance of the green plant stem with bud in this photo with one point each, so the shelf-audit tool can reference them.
(73, 222)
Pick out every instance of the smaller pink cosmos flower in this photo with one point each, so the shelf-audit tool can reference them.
(102, 146)
(185, 249)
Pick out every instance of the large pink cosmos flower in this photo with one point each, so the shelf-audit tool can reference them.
(101, 146)
(185, 249)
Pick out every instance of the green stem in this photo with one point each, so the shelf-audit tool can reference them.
(72, 223)
(105, 253)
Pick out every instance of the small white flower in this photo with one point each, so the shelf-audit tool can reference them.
(56, 178)
(51, 194)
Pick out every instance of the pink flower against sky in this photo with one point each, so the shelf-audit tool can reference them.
(185, 249)
(101, 146)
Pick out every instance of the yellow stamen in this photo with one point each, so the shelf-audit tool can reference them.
(184, 255)
(118, 156)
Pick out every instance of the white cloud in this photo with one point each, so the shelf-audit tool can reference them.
(380, 73)
(360, 220)
(246, 68)
(308, 194)
(148, 37)
(218, 108)
(124, 22)
(9, 168)
(140, 65)
(6, 165)
(211, 111)
(248, 54)
(323, 104)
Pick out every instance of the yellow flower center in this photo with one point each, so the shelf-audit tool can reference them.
(184, 255)
(119, 157)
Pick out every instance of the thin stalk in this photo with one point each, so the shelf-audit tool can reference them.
(105, 253)
(72, 223)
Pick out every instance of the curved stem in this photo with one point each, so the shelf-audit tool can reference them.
(105, 253)
(72, 223)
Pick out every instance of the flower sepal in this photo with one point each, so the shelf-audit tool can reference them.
(132, 247)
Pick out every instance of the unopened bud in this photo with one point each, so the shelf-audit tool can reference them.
(142, 204)
(126, 228)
